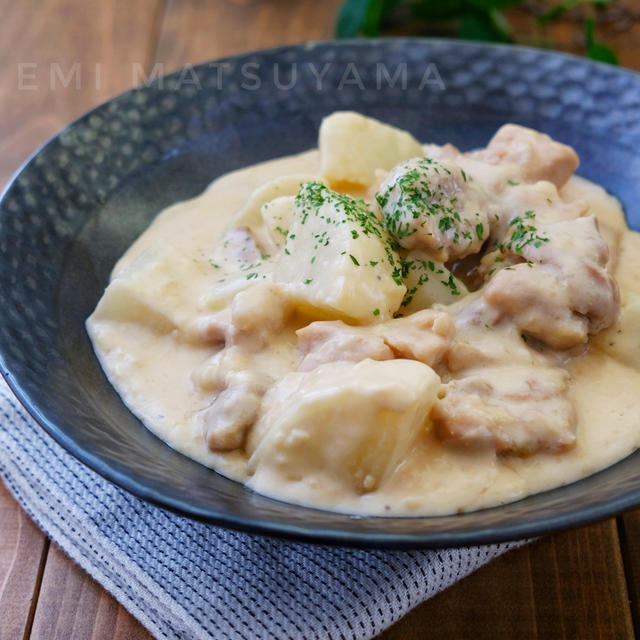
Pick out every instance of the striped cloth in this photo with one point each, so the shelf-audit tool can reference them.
(183, 579)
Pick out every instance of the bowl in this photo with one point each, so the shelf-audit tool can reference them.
(81, 200)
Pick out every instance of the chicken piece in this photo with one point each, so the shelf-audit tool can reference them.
(211, 329)
(463, 355)
(511, 409)
(538, 156)
(434, 205)
(563, 292)
(441, 152)
(491, 262)
(228, 419)
(576, 249)
(237, 264)
(263, 308)
(424, 336)
(612, 238)
(238, 390)
(215, 373)
(478, 344)
(322, 342)
(255, 313)
(536, 298)
(541, 197)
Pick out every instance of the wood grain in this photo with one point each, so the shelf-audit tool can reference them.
(197, 30)
(566, 586)
(618, 27)
(41, 92)
(22, 552)
(629, 531)
(74, 606)
(569, 585)
(59, 59)
(520, 596)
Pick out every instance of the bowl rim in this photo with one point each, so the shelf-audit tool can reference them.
(581, 515)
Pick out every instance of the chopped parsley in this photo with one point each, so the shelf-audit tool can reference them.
(317, 202)
(451, 283)
(417, 200)
(523, 233)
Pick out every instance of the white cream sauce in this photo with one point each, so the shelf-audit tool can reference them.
(154, 373)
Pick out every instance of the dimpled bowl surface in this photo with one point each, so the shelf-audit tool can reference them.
(85, 196)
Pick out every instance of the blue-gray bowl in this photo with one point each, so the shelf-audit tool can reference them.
(81, 200)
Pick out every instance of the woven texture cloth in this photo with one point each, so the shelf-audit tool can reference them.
(187, 580)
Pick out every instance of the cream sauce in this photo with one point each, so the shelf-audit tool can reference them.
(154, 373)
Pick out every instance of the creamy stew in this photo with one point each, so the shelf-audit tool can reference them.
(385, 327)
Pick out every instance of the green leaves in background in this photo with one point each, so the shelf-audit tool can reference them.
(476, 19)
(489, 25)
(480, 19)
(560, 9)
(597, 50)
(362, 17)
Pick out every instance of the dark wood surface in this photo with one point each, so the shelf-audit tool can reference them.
(579, 584)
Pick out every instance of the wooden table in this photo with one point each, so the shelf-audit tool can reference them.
(71, 55)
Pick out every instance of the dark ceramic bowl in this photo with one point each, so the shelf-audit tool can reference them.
(84, 197)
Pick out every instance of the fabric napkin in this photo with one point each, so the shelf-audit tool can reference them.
(183, 579)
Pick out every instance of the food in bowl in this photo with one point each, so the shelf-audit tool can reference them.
(384, 327)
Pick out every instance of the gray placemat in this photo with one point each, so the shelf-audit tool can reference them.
(184, 579)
